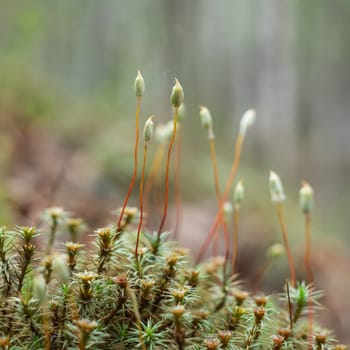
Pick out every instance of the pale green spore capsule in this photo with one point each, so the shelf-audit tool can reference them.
(275, 251)
(139, 86)
(276, 188)
(227, 211)
(206, 119)
(247, 121)
(169, 130)
(306, 198)
(160, 133)
(181, 113)
(148, 129)
(39, 288)
(164, 132)
(238, 194)
(177, 95)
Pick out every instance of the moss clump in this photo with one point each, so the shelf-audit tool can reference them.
(105, 298)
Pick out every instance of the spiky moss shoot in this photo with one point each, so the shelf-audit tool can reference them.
(147, 292)
(260, 300)
(212, 343)
(47, 268)
(321, 339)
(5, 247)
(85, 327)
(225, 337)
(240, 297)
(105, 244)
(153, 335)
(285, 333)
(192, 277)
(236, 317)
(278, 342)
(25, 250)
(86, 291)
(179, 295)
(72, 250)
(177, 312)
(86, 276)
(255, 331)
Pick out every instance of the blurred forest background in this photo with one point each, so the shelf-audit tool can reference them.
(67, 112)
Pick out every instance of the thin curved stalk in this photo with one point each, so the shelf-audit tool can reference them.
(178, 196)
(215, 168)
(133, 179)
(141, 200)
(235, 239)
(166, 198)
(286, 243)
(310, 277)
(216, 184)
(153, 176)
(219, 216)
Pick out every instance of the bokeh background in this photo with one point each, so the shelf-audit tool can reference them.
(67, 115)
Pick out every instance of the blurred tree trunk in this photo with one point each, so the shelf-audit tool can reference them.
(276, 92)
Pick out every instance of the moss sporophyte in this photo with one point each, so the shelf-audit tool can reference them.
(135, 288)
